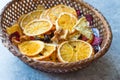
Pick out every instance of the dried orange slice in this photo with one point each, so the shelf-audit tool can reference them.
(38, 27)
(75, 50)
(83, 27)
(66, 21)
(52, 58)
(30, 17)
(82, 50)
(31, 48)
(46, 52)
(14, 28)
(65, 52)
(57, 10)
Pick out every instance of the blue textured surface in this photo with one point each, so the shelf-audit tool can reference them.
(106, 68)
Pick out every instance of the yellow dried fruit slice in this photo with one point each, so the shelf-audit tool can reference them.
(52, 58)
(20, 18)
(38, 27)
(30, 17)
(82, 49)
(74, 36)
(79, 49)
(14, 28)
(47, 51)
(44, 14)
(65, 52)
(40, 7)
(60, 36)
(31, 48)
(83, 27)
(66, 21)
(57, 10)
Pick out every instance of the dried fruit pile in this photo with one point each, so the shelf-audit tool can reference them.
(57, 34)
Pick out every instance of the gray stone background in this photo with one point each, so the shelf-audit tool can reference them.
(106, 68)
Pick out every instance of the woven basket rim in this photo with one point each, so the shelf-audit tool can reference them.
(103, 50)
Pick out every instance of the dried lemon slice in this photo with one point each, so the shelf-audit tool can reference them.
(31, 48)
(47, 51)
(82, 27)
(72, 51)
(38, 27)
(30, 17)
(66, 21)
(57, 10)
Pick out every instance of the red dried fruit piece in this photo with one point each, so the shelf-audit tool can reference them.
(32, 38)
(89, 19)
(84, 38)
(16, 35)
(78, 13)
(96, 41)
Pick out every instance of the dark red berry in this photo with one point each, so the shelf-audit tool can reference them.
(96, 41)
(15, 35)
(78, 13)
(18, 39)
(89, 19)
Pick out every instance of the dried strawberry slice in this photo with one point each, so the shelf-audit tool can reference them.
(96, 41)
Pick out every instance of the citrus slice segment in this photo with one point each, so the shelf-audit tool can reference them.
(44, 14)
(65, 52)
(30, 17)
(82, 49)
(31, 48)
(82, 27)
(74, 50)
(20, 18)
(40, 7)
(46, 52)
(38, 27)
(14, 28)
(66, 21)
(57, 10)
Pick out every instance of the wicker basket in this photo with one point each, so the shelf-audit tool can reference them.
(16, 8)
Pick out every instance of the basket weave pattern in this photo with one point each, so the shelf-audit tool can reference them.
(16, 8)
